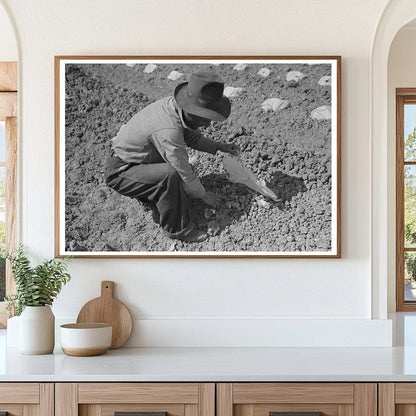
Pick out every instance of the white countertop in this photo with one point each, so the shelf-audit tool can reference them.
(221, 364)
(215, 364)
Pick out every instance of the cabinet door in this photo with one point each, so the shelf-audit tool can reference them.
(297, 399)
(142, 399)
(397, 399)
(26, 399)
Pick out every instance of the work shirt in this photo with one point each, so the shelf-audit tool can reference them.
(160, 132)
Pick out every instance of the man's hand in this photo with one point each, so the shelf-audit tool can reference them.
(212, 199)
(230, 148)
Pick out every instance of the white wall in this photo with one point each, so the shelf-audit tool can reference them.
(401, 74)
(8, 46)
(202, 302)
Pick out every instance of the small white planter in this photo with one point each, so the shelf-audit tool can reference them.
(37, 330)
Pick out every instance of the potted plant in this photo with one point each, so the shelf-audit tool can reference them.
(36, 289)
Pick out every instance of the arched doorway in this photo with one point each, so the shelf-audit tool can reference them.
(396, 15)
(401, 100)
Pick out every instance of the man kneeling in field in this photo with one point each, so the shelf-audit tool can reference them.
(149, 159)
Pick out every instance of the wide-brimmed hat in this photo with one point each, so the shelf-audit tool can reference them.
(203, 96)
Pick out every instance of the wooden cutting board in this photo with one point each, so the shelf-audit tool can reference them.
(108, 310)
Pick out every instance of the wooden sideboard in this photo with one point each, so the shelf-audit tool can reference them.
(208, 399)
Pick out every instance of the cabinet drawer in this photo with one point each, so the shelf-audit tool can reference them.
(21, 399)
(397, 399)
(19, 393)
(148, 399)
(138, 393)
(309, 399)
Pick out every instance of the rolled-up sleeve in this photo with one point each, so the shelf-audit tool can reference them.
(170, 143)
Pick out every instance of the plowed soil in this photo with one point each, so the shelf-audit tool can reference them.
(288, 149)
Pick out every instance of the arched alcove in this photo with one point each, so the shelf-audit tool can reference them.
(395, 16)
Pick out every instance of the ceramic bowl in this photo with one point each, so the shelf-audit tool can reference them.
(83, 340)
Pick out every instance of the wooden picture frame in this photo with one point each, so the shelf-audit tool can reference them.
(285, 119)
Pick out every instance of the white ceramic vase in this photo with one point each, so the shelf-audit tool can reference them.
(37, 330)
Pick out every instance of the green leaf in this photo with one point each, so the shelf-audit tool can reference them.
(35, 286)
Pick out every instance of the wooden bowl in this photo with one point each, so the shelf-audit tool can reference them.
(84, 340)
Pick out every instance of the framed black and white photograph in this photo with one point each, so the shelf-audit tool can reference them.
(198, 156)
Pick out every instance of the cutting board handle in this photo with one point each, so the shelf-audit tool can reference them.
(107, 289)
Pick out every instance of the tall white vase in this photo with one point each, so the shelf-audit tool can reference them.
(37, 330)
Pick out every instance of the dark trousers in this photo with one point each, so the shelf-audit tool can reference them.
(157, 183)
